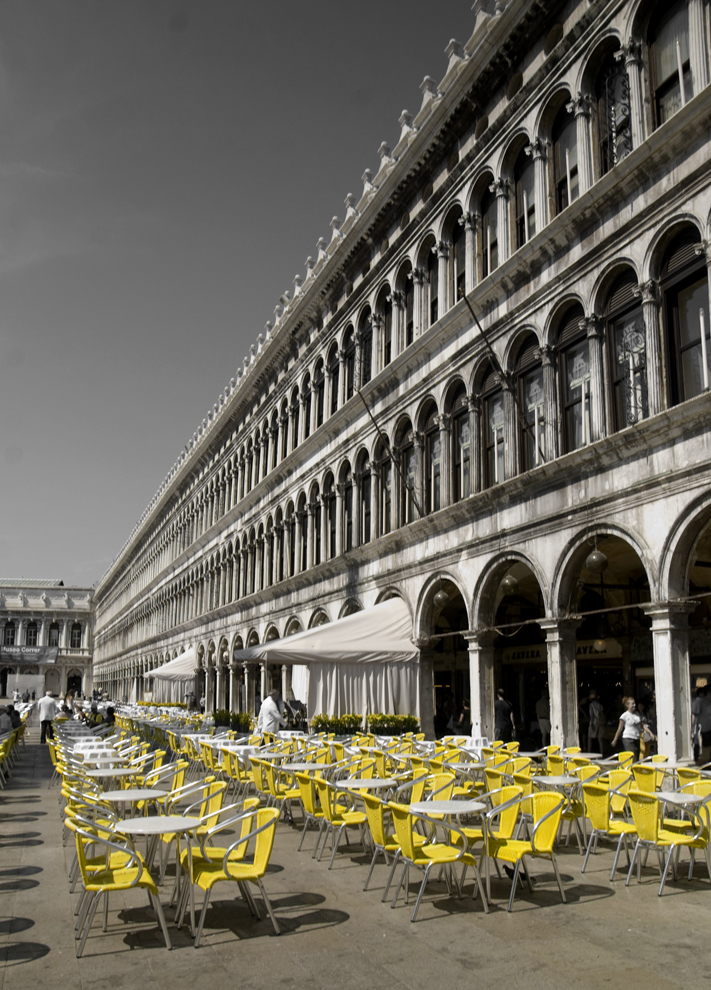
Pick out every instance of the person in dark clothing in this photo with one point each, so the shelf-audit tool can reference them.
(504, 724)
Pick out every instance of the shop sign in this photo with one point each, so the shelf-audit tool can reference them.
(29, 654)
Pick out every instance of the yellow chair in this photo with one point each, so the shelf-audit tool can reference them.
(425, 856)
(626, 759)
(131, 873)
(206, 871)
(603, 824)
(650, 833)
(647, 777)
(547, 810)
(335, 819)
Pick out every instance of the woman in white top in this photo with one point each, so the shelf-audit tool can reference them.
(630, 728)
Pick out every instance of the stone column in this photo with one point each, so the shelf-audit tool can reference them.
(263, 680)
(220, 686)
(672, 683)
(698, 56)
(511, 428)
(536, 149)
(297, 542)
(284, 436)
(235, 700)
(445, 463)
(500, 187)
(309, 536)
(593, 327)
(397, 302)
(303, 396)
(481, 682)
(377, 360)
(632, 54)
(469, 221)
(284, 684)
(550, 407)
(580, 106)
(358, 359)
(426, 686)
(340, 492)
(445, 289)
(259, 564)
(209, 691)
(341, 378)
(419, 279)
(249, 687)
(356, 495)
(562, 679)
(648, 293)
(474, 405)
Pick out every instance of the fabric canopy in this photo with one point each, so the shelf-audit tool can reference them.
(362, 663)
(180, 669)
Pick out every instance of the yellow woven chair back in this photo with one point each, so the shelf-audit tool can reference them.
(544, 832)
(375, 810)
(402, 820)
(597, 805)
(556, 765)
(620, 781)
(645, 814)
(647, 778)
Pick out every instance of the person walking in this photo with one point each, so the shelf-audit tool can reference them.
(596, 724)
(701, 717)
(47, 712)
(504, 724)
(630, 728)
(270, 718)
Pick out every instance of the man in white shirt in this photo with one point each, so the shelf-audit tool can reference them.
(270, 718)
(47, 711)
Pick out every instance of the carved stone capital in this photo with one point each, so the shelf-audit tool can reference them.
(418, 276)
(443, 421)
(545, 354)
(469, 221)
(579, 105)
(592, 325)
(500, 187)
(703, 250)
(397, 299)
(474, 404)
(647, 292)
(441, 250)
(631, 53)
(536, 149)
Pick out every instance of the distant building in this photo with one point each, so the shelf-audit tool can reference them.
(538, 489)
(46, 634)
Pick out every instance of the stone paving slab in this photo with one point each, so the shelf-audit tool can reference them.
(333, 933)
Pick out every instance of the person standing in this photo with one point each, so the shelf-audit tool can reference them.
(701, 716)
(543, 714)
(630, 728)
(270, 718)
(47, 712)
(596, 725)
(504, 724)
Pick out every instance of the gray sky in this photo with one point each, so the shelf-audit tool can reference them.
(165, 169)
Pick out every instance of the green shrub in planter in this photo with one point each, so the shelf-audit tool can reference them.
(341, 725)
(222, 717)
(240, 721)
(385, 724)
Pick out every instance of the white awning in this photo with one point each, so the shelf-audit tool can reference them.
(381, 634)
(180, 669)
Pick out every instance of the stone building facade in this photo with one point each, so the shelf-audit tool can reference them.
(46, 631)
(491, 382)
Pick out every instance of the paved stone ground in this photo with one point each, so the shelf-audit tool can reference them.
(334, 934)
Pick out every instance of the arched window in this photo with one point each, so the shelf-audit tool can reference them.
(493, 423)
(384, 311)
(489, 239)
(31, 634)
(330, 504)
(319, 390)
(284, 423)
(274, 433)
(8, 637)
(366, 348)
(280, 551)
(316, 514)
(612, 118)
(408, 467)
(670, 68)
(364, 507)
(349, 355)
(347, 519)
(75, 640)
(459, 260)
(461, 446)
(303, 532)
(625, 335)
(385, 482)
(433, 461)
(53, 634)
(290, 537)
(529, 381)
(295, 404)
(265, 450)
(306, 395)
(574, 364)
(248, 468)
(333, 373)
(565, 159)
(685, 307)
(524, 198)
(432, 283)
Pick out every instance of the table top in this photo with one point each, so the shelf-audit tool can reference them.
(366, 783)
(157, 825)
(583, 756)
(564, 780)
(135, 794)
(672, 765)
(447, 807)
(537, 752)
(304, 767)
(679, 797)
(115, 772)
(465, 765)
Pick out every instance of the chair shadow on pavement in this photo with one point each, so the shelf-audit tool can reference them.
(15, 953)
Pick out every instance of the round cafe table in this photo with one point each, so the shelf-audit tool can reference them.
(561, 780)
(457, 808)
(303, 767)
(366, 783)
(179, 825)
(112, 772)
(133, 794)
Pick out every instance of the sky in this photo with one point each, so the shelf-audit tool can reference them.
(165, 170)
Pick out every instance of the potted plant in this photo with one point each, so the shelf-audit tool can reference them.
(222, 718)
